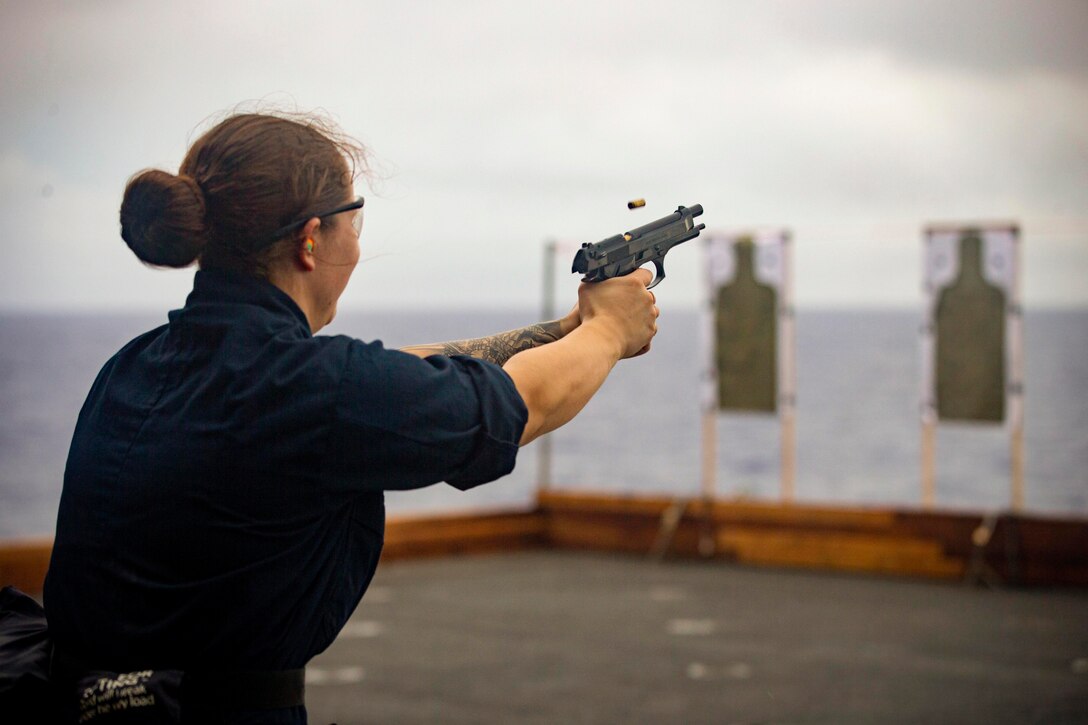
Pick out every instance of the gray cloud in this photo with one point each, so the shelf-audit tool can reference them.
(996, 37)
(501, 124)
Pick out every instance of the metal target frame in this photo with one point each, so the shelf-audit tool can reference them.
(1001, 250)
(781, 277)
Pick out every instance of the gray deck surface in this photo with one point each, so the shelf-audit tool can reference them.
(550, 637)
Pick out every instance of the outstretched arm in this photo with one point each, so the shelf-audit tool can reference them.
(503, 346)
(614, 319)
(618, 320)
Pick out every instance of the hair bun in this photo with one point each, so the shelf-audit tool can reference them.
(162, 218)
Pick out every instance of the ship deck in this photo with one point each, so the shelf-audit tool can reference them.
(544, 636)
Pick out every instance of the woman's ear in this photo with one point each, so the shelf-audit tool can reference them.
(307, 243)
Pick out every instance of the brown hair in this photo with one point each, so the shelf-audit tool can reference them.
(246, 177)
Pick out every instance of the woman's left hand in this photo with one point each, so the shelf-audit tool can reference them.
(570, 321)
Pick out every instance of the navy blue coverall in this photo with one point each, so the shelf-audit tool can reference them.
(223, 497)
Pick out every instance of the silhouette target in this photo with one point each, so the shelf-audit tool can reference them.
(746, 344)
(971, 342)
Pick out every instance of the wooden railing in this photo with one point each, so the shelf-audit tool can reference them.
(937, 545)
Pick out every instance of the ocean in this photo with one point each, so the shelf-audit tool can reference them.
(858, 434)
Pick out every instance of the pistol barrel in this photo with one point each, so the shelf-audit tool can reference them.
(680, 213)
(624, 253)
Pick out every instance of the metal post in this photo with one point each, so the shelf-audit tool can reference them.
(707, 543)
(1016, 445)
(787, 378)
(710, 454)
(928, 393)
(929, 448)
(709, 404)
(544, 445)
(1015, 391)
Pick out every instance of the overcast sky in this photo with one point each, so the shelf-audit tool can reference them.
(498, 125)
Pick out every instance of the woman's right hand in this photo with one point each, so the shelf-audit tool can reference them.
(623, 308)
(618, 320)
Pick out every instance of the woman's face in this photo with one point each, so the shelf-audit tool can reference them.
(336, 251)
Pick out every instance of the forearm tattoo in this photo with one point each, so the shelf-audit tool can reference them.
(496, 348)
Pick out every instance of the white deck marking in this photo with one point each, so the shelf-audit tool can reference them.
(359, 628)
(691, 627)
(334, 676)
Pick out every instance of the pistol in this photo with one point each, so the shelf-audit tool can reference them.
(624, 253)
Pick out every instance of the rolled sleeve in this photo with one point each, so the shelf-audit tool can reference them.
(502, 415)
(405, 422)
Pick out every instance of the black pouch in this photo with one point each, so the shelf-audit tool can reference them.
(43, 686)
(25, 648)
(34, 690)
(145, 697)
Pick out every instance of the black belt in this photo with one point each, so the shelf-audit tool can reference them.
(244, 689)
(215, 689)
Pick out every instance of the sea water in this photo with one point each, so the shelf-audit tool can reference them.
(858, 431)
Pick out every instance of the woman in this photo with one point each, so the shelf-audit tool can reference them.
(222, 512)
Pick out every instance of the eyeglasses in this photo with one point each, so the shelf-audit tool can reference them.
(356, 223)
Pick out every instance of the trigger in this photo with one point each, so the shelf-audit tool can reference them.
(660, 267)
